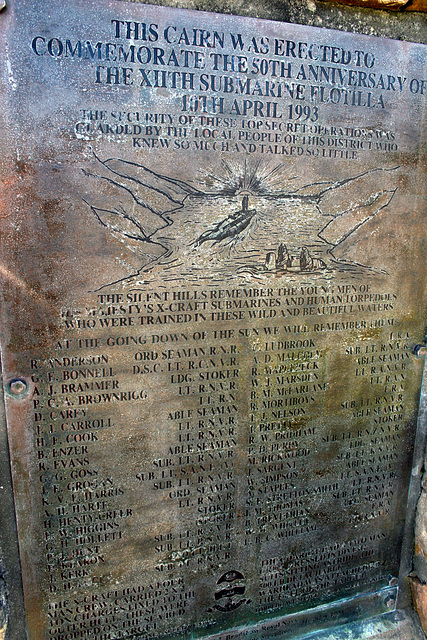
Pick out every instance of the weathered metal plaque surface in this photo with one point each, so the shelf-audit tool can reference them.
(213, 262)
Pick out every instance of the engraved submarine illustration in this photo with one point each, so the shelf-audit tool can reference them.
(230, 227)
(286, 225)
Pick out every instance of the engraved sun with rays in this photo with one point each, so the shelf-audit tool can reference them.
(247, 179)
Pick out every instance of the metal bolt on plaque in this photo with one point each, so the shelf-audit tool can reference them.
(17, 387)
(419, 350)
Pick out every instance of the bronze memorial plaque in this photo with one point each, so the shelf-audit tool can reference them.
(214, 268)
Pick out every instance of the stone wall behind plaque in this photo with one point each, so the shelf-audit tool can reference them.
(407, 25)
